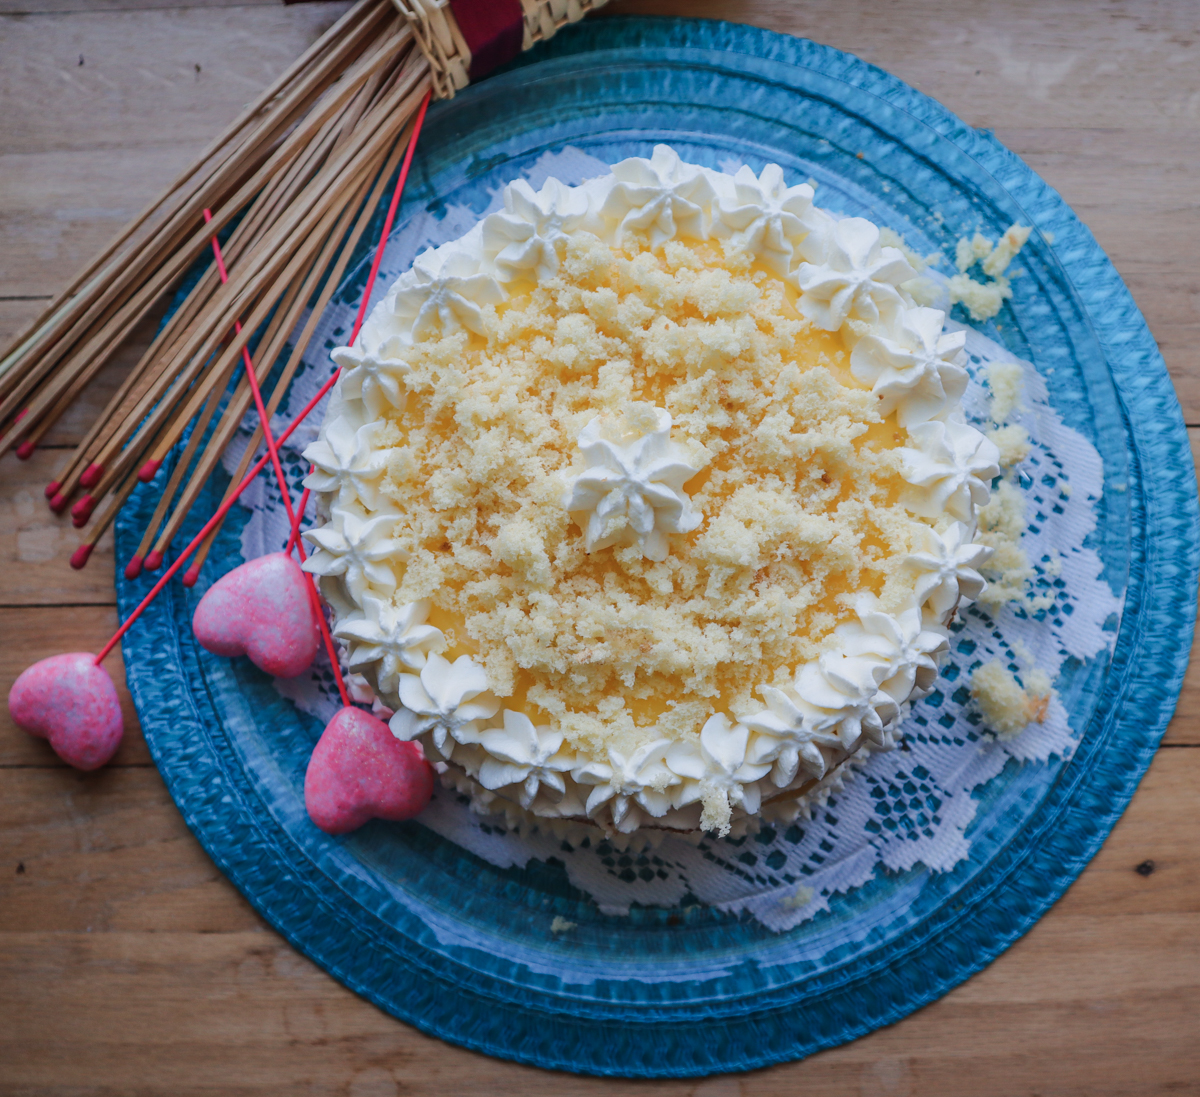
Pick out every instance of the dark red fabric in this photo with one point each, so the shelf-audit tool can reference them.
(494, 30)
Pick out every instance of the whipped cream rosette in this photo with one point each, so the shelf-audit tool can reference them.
(648, 502)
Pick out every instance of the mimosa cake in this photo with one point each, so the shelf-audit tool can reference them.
(648, 502)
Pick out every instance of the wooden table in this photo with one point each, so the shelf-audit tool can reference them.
(129, 965)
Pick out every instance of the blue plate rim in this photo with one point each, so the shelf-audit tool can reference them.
(1151, 656)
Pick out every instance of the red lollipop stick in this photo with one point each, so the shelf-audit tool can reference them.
(273, 453)
(366, 298)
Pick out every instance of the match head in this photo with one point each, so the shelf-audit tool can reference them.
(80, 556)
(25, 449)
(191, 576)
(91, 475)
(153, 560)
(147, 471)
(59, 503)
(52, 489)
(83, 507)
(134, 568)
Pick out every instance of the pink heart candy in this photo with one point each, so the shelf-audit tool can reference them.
(359, 771)
(72, 702)
(263, 610)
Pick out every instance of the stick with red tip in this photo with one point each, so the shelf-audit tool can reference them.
(273, 453)
(144, 553)
(294, 539)
(322, 282)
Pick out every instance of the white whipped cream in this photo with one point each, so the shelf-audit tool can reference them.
(640, 778)
(717, 770)
(451, 700)
(346, 464)
(765, 216)
(848, 275)
(357, 546)
(662, 196)
(375, 378)
(912, 366)
(392, 638)
(843, 694)
(524, 240)
(950, 465)
(901, 642)
(527, 756)
(948, 564)
(445, 298)
(632, 487)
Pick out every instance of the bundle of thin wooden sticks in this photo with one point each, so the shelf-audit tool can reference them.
(293, 183)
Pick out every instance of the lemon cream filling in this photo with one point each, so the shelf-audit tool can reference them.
(647, 500)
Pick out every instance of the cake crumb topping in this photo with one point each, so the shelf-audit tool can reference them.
(1007, 707)
(797, 490)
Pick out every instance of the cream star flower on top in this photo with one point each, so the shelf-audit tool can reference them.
(912, 366)
(662, 196)
(394, 637)
(846, 691)
(444, 301)
(346, 463)
(451, 699)
(764, 215)
(356, 546)
(948, 563)
(523, 240)
(792, 726)
(950, 465)
(372, 377)
(847, 274)
(902, 641)
(632, 489)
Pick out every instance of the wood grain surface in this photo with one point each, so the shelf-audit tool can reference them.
(128, 965)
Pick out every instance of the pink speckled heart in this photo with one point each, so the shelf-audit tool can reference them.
(72, 702)
(262, 610)
(360, 771)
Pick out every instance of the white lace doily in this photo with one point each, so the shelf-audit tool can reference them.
(912, 806)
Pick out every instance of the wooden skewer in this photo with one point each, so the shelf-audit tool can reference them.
(312, 403)
(207, 463)
(81, 469)
(186, 377)
(324, 62)
(101, 522)
(228, 137)
(141, 377)
(134, 567)
(224, 309)
(295, 170)
(233, 348)
(141, 301)
(301, 344)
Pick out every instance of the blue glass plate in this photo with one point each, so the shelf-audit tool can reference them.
(464, 950)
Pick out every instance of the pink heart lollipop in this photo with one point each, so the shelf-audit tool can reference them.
(263, 610)
(359, 771)
(72, 702)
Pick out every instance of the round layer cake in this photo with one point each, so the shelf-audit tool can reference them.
(648, 502)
